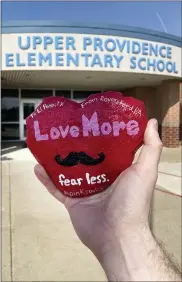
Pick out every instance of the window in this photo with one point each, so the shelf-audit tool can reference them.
(10, 131)
(34, 93)
(10, 114)
(64, 93)
(10, 109)
(9, 93)
(28, 108)
(24, 130)
(83, 94)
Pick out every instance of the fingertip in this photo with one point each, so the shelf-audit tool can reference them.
(154, 123)
(38, 168)
(41, 174)
(151, 136)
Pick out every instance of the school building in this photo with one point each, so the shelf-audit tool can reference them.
(74, 60)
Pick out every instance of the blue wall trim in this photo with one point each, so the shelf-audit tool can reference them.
(97, 29)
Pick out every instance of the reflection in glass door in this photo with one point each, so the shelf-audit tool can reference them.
(27, 107)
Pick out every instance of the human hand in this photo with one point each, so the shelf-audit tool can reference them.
(100, 221)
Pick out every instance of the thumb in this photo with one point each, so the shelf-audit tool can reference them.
(151, 151)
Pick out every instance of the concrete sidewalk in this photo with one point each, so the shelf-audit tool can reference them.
(38, 241)
(169, 171)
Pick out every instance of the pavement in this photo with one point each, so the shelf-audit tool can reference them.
(170, 170)
(38, 241)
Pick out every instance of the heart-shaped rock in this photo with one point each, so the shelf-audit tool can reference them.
(85, 146)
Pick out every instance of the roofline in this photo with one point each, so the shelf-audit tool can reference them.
(94, 28)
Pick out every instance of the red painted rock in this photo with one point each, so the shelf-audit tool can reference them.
(85, 146)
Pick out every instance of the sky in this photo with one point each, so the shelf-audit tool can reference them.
(165, 16)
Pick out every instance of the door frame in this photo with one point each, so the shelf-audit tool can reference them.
(22, 120)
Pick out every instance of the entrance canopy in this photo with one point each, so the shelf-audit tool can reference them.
(52, 79)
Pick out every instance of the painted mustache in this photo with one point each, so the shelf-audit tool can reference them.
(75, 158)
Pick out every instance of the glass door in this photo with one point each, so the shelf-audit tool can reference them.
(27, 107)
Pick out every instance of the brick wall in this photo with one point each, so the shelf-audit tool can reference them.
(170, 136)
(170, 112)
(164, 103)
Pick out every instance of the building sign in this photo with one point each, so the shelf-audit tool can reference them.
(89, 52)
